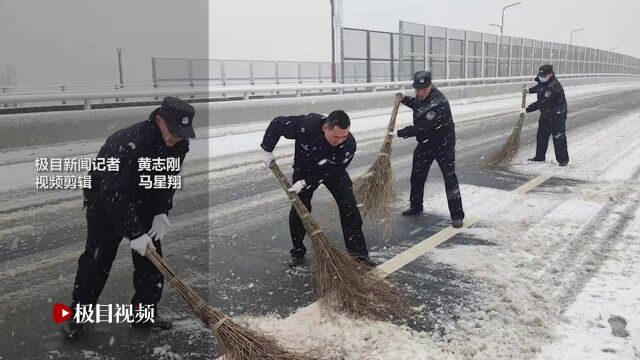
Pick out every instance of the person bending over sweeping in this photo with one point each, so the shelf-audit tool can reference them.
(119, 205)
(434, 130)
(323, 150)
(553, 115)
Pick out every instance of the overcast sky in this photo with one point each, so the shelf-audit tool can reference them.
(607, 24)
(75, 41)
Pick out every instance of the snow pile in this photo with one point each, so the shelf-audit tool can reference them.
(336, 336)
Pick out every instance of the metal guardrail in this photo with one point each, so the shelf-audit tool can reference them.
(92, 87)
(297, 90)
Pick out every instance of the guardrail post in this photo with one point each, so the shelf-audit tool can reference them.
(277, 78)
(63, 88)
(368, 56)
(482, 56)
(87, 104)
(223, 77)
(446, 53)
(245, 95)
(299, 72)
(251, 76)
(4, 91)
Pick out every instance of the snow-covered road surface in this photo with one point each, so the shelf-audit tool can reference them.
(519, 283)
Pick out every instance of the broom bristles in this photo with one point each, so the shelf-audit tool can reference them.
(503, 157)
(235, 342)
(375, 191)
(343, 283)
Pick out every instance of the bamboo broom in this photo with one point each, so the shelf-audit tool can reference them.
(502, 158)
(342, 283)
(375, 190)
(235, 342)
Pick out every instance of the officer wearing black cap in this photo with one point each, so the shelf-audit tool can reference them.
(119, 206)
(553, 115)
(324, 148)
(434, 130)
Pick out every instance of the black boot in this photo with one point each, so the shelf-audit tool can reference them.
(456, 223)
(564, 163)
(412, 211)
(71, 329)
(297, 257)
(296, 261)
(535, 159)
(366, 261)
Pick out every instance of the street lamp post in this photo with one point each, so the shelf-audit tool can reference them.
(571, 36)
(503, 9)
(498, 26)
(333, 44)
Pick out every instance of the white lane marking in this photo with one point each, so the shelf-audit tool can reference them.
(409, 255)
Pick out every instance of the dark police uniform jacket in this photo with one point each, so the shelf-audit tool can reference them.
(551, 100)
(433, 124)
(315, 159)
(119, 194)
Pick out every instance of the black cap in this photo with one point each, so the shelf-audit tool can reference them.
(178, 115)
(421, 79)
(545, 70)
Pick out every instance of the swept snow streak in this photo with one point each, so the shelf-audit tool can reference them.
(550, 240)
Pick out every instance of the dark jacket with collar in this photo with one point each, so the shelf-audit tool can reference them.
(314, 156)
(433, 125)
(119, 194)
(551, 100)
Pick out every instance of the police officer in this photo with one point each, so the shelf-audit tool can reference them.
(553, 115)
(434, 131)
(323, 150)
(119, 207)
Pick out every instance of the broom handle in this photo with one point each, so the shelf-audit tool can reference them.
(301, 209)
(388, 137)
(394, 114)
(525, 90)
(169, 274)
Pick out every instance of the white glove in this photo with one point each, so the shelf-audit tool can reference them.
(298, 186)
(159, 227)
(140, 244)
(523, 111)
(268, 158)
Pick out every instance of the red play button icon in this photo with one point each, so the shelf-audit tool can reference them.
(61, 313)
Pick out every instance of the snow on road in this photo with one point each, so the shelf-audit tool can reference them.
(222, 143)
(559, 282)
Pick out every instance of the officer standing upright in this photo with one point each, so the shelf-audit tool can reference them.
(434, 130)
(324, 147)
(553, 115)
(121, 205)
